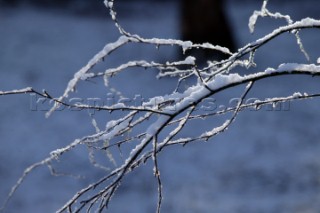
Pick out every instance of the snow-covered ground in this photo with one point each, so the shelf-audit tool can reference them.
(268, 161)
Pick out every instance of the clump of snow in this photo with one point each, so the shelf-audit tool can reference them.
(158, 41)
(216, 130)
(186, 45)
(252, 21)
(86, 76)
(111, 124)
(289, 67)
(222, 80)
(116, 129)
(108, 3)
(214, 47)
(269, 70)
(190, 60)
(297, 95)
(153, 102)
(254, 17)
(154, 128)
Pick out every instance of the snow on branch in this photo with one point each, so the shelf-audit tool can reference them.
(264, 12)
(159, 121)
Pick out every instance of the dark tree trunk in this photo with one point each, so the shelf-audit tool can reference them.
(205, 21)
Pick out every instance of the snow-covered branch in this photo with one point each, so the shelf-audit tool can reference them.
(159, 121)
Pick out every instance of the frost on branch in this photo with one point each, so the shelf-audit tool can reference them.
(158, 122)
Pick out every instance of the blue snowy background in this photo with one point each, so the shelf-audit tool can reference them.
(268, 160)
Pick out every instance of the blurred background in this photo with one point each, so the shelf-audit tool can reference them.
(268, 160)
